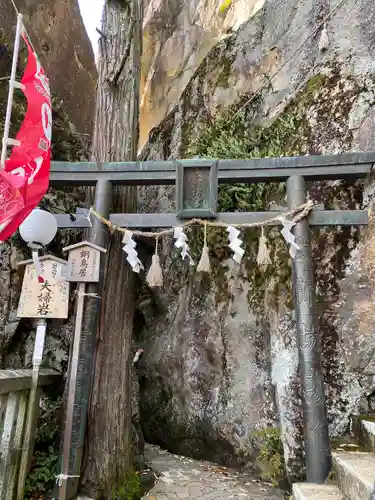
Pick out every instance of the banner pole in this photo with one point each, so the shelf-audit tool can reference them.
(32, 409)
(12, 85)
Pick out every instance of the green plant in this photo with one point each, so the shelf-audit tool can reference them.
(42, 475)
(130, 489)
(331, 479)
(271, 454)
(233, 135)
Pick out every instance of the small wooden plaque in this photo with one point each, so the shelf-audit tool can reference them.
(84, 262)
(49, 299)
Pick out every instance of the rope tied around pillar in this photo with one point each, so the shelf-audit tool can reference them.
(64, 477)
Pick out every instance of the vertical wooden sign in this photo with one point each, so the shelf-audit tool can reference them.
(83, 267)
(46, 300)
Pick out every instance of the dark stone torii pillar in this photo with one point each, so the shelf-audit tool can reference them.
(293, 170)
(317, 448)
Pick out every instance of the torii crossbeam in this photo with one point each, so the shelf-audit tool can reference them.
(295, 171)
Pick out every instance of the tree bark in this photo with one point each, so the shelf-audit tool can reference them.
(107, 457)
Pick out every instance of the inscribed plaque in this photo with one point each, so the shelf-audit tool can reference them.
(196, 189)
(197, 185)
(49, 299)
(84, 262)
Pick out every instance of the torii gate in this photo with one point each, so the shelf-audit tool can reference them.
(295, 171)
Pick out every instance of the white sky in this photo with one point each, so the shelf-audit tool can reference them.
(91, 11)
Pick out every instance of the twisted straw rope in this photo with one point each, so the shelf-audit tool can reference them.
(297, 214)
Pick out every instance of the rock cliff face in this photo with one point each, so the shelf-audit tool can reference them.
(177, 37)
(62, 44)
(221, 361)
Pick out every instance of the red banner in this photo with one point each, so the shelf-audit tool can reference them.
(25, 179)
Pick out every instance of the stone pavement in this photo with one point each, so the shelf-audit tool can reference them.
(181, 477)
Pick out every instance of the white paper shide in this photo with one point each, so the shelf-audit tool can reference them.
(235, 244)
(289, 236)
(130, 248)
(181, 243)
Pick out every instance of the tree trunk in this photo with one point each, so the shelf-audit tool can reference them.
(108, 445)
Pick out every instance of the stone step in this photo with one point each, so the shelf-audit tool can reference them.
(364, 429)
(307, 491)
(355, 474)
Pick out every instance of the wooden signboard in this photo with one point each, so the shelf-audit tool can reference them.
(84, 262)
(49, 299)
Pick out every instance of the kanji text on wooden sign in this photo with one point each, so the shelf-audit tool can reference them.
(49, 299)
(84, 262)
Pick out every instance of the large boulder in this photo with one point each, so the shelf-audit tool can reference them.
(221, 359)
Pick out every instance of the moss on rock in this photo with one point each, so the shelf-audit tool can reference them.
(232, 134)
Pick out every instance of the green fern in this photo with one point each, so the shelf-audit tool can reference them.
(130, 489)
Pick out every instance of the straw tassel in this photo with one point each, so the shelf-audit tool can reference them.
(204, 265)
(263, 258)
(154, 276)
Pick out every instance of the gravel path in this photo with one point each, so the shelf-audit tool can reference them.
(181, 477)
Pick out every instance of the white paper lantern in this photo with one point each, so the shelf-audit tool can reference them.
(40, 227)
